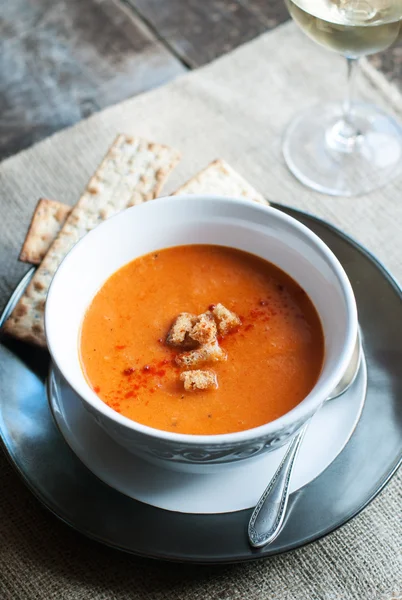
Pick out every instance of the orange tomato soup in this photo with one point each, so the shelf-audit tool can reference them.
(273, 359)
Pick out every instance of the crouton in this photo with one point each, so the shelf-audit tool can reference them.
(204, 329)
(226, 319)
(198, 380)
(211, 352)
(179, 332)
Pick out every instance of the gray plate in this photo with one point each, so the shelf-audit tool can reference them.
(62, 483)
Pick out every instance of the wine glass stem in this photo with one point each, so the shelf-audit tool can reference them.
(352, 65)
(344, 135)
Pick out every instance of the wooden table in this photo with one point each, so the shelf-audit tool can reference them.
(62, 60)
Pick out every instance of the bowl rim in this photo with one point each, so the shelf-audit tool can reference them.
(297, 415)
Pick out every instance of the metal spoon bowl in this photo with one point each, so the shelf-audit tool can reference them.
(268, 516)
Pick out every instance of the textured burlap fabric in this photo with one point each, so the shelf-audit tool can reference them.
(237, 109)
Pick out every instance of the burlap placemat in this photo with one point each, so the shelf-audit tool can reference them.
(236, 108)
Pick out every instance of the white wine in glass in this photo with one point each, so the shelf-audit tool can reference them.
(347, 149)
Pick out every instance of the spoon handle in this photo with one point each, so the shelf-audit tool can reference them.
(268, 516)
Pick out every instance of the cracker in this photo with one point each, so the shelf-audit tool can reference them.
(48, 218)
(132, 172)
(220, 179)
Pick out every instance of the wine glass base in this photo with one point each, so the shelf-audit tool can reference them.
(315, 154)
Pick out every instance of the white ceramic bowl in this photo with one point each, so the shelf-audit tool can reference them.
(173, 221)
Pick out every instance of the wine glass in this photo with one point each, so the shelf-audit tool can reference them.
(349, 149)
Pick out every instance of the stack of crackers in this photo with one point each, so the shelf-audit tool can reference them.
(132, 172)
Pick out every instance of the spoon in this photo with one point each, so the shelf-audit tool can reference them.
(269, 514)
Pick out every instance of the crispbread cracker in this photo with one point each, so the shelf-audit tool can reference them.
(132, 172)
(221, 179)
(48, 218)
(218, 178)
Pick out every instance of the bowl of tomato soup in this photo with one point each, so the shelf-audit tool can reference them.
(201, 330)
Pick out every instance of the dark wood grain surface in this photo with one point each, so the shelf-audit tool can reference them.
(201, 31)
(62, 60)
